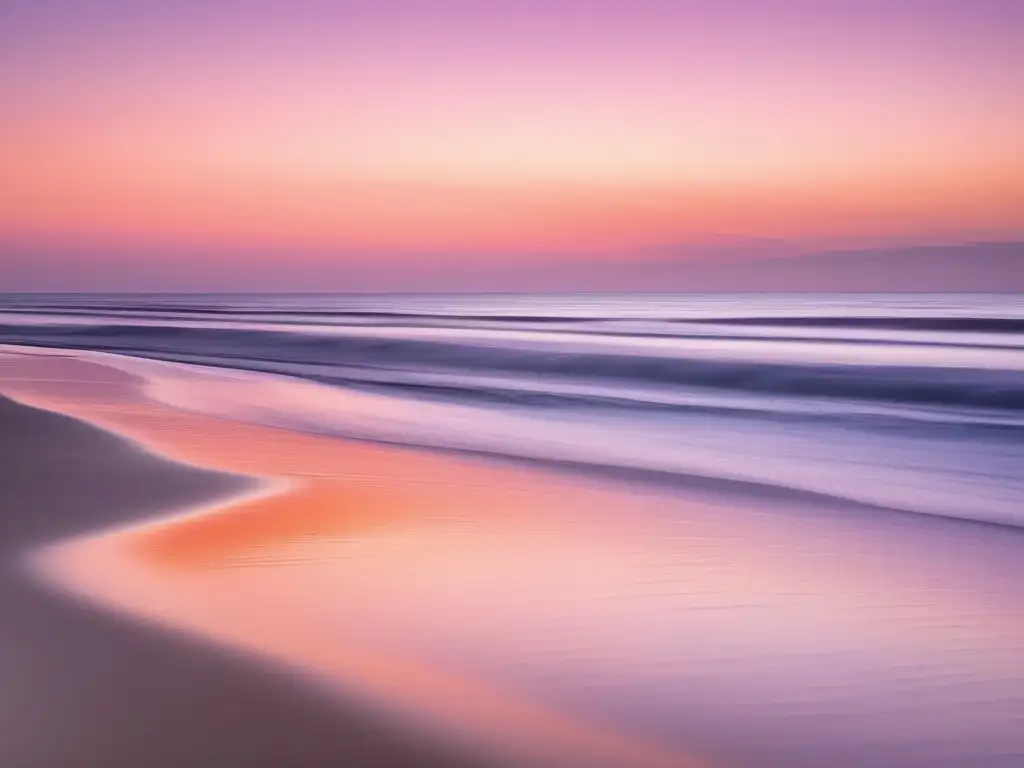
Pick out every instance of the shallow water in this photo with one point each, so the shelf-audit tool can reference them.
(913, 402)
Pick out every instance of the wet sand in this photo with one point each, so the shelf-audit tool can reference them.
(159, 566)
(84, 687)
(541, 620)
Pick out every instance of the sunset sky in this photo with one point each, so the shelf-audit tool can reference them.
(223, 135)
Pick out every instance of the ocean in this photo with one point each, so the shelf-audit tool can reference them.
(909, 402)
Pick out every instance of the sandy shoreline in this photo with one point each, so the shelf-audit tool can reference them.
(86, 688)
(148, 567)
(534, 619)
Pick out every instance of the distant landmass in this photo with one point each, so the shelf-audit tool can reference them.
(966, 267)
(721, 265)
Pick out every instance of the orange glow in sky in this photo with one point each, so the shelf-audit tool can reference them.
(446, 126)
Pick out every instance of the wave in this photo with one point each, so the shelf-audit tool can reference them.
(955, 324)
(157, 311)
(901, 402)
(952, 470)
(1007, 325)
(951, 386)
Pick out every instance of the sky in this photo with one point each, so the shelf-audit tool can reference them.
(246, 137)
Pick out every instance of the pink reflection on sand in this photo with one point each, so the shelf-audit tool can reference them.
(563, 623)
(177, 572)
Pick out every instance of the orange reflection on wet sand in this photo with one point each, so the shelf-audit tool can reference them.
(562, 622)
(175, 571)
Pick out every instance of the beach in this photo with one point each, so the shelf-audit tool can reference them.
(108, 570)
(279, 596)
(85, 687)
(556, 384)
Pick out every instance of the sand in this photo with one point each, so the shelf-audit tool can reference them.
(85, 687)
(430, 602)
(148, 548)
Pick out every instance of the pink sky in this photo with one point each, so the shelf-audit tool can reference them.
(533, 131)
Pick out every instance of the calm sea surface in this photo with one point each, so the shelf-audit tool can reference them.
(912, 402)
